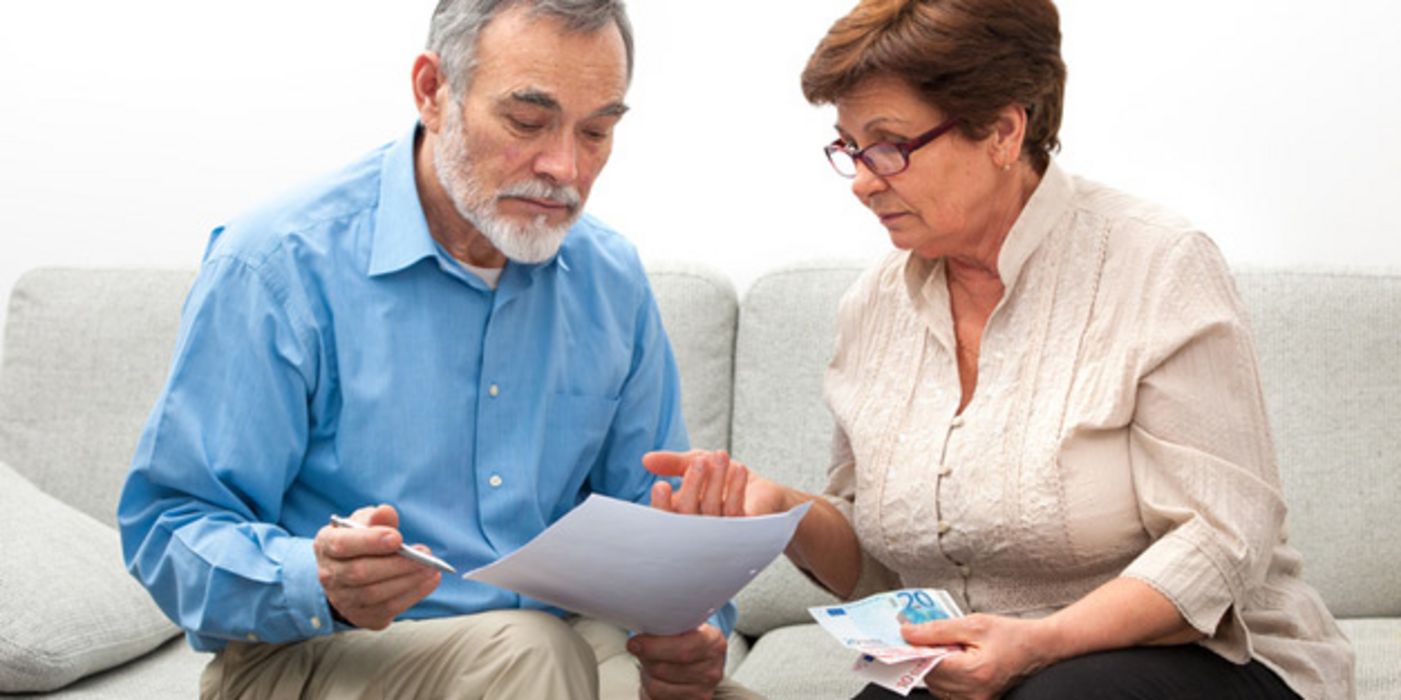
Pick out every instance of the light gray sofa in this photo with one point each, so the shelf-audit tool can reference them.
(86, 353)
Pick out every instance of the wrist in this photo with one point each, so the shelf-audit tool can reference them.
(338, 617)
(1048, 641)
(792, 499)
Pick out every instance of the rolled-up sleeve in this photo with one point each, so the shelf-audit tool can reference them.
(1200, 447)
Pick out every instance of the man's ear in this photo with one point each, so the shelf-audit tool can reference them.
(431, 92)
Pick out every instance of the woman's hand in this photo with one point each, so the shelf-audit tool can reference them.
(712, 484)
(997, 652)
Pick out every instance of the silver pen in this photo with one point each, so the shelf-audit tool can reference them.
(404, 550)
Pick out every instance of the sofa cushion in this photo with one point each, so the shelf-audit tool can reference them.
(86, 352)
(67, 606)
(1330, 364)
(1377, 642)
(699, 310)
(781, 425)
(171, 672)
(799, 662)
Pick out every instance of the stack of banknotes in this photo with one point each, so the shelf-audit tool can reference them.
(871, 626)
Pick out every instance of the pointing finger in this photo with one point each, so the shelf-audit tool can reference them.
(670, 463)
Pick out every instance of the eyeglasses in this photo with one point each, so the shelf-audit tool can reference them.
(885, 158)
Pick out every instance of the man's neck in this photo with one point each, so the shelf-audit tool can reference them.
(455, 234)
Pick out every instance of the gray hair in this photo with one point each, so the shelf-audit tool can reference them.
(458, 23)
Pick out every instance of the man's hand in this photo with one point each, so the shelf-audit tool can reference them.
(365, 580)
(684, 666)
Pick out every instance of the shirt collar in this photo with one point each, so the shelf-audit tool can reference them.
(1038, 218)
(1048, 203)
(401, 235)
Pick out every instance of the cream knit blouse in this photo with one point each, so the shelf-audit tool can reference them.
(1117, 429)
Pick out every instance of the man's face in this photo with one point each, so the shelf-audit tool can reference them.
(534, 130)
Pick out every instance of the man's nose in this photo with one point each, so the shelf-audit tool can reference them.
(559, 161)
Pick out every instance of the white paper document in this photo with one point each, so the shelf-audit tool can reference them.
(644, 569)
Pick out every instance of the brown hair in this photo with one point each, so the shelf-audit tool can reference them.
(969, 58)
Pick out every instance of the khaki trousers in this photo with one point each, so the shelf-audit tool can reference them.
(515, 654)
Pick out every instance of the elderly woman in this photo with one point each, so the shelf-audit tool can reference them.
(1046, 399)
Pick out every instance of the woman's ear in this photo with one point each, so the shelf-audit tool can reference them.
(1007, 133)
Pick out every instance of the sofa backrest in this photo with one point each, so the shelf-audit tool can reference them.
(700, 311)
(1330, 362)
(87, 352)
(1330, 358)
(781, 425)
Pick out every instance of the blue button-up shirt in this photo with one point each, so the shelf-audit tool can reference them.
(332, 355)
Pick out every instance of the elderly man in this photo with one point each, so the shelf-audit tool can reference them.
(434, 339)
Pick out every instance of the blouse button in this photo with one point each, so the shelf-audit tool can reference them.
(965, 570)
(944, 527)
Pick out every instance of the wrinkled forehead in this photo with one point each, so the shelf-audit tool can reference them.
(524, 53)
(883, 101)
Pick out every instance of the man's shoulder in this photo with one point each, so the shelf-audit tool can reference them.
(597, 250)
(310, 216)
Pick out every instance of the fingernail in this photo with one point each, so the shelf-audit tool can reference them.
(387, 540)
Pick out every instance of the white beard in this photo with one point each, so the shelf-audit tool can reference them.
(529, 242)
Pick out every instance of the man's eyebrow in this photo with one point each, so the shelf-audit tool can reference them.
(538, 98)
(617, 109)
(545, 100)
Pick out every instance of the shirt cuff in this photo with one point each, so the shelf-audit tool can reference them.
(724, 619)
(308, 612)
(1179, 567)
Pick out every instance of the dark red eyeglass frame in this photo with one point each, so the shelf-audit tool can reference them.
(904, 148)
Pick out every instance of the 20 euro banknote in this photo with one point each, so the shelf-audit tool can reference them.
(872, 626)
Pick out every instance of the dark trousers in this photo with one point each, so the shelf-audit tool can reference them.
(1140, 673)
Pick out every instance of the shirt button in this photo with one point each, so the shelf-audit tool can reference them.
(944, 527)
(495, 481)
(315, 622)
(494, 391)
(252, 637)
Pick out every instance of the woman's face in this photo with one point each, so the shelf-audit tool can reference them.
(945, 202)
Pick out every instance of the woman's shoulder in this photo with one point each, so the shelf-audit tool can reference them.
(1131, 222)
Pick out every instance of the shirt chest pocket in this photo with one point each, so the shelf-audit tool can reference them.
(576, 430)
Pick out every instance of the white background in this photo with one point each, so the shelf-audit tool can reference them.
(129, 129)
